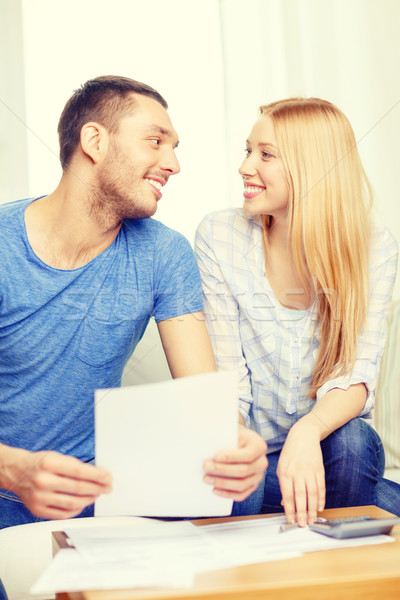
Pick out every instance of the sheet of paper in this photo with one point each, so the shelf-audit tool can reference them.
(150, 540)
(69, 571)
(150, 553)
(248, 542)
(194, 549)
(155, 438)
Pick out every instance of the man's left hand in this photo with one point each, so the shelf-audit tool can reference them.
(237, 473)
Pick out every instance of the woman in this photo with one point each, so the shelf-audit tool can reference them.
(297, 287)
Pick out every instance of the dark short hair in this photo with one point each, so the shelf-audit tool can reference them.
(105, 100)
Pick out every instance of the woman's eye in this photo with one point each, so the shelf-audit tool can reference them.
(267, 155)
(247, 151)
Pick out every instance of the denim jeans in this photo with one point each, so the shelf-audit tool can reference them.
(354, 462)
(13, 512)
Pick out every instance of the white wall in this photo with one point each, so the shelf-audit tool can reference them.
(215, 61)
(13, 153)
(346, 51)
(173, 46)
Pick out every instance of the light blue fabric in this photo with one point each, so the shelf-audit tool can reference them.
(65, 333)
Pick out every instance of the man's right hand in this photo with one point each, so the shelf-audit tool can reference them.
(51, 485)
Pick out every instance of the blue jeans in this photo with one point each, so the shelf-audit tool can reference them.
(13, 512)
(354, 462)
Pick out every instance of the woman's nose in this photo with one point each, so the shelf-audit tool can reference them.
(247, 168)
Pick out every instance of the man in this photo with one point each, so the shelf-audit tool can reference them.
(82, 270)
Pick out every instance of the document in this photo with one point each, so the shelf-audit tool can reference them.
(259, 540)
(69, 572)
(151, 553)
(154, 440)
(148, 553)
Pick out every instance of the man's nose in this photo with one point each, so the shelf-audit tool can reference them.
(170, 163)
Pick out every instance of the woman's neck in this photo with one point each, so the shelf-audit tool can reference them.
(290, 288)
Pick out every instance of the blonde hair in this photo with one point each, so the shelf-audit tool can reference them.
(329, 203)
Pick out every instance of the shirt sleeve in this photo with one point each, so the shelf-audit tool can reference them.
(176, 278)
(221, 313)
(383, 267)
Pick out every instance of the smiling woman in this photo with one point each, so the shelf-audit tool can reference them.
(297, 300)
(266, 187)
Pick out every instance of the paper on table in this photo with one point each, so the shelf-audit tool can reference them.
(259, 540)
(69, 572)
(140, 543)
(150, 553)
(155, 438)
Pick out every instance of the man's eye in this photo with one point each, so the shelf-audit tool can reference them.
(247, 151)
(156, 141)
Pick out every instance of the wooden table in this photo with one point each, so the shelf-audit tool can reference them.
(367, 572)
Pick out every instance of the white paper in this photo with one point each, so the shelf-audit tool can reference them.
(147, 554)
(154, 554)
(259, 540)
(136, 544)
(69, 572)
(154, 440)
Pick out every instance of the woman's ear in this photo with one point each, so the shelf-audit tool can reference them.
(94, 141)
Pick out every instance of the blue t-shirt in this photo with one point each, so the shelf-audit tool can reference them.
(65, 333)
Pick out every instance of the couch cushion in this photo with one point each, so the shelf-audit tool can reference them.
(387, 406)
(26, 551)
(148, 363)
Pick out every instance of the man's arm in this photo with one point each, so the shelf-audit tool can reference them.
(187, 345)
(233, 473)
(51, 485)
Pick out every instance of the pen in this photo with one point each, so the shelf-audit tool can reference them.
(288, 526)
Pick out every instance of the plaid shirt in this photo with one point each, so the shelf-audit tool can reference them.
(274, 348)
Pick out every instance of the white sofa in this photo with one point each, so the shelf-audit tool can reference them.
(387, 405)
(26, 551)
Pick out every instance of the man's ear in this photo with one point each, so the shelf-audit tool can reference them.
(94, 141)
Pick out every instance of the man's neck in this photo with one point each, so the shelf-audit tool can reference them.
(64, 232)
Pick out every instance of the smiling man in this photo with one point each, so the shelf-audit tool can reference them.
(82, 271)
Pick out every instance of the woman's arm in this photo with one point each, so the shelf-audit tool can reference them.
(372, 338)
(300, 468)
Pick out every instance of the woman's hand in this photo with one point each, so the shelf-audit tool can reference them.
(301, 474)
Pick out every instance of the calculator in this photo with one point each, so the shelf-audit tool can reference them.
(354, 526)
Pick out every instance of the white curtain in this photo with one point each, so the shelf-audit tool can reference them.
(13, 153)
(346, 51)
(215, 61)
